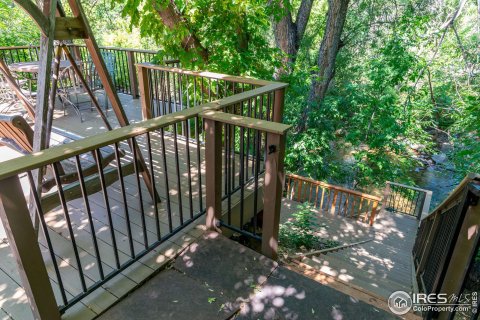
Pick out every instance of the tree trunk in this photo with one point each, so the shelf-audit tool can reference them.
(289, 34)
(331, 43)
(172, 19)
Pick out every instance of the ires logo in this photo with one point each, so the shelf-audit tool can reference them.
(400, 302)
(432, 298)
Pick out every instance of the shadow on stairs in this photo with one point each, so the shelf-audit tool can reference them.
(216, 278)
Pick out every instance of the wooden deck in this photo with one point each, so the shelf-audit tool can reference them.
(13, 301)
(380, 266)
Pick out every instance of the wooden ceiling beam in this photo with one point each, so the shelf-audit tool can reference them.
(68, 28)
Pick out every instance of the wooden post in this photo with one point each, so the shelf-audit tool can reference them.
(76, 52)
(274, 177)
(213, 167)
(426, 204)
(145, 94)
(386, 195)
(464, 251)
(374, 212)
(278, 98)
(132, 74)
(22, 238)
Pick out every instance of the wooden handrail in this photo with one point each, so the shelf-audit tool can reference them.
(251, 123)
(212, 75)
(355, 204)
(83, 46)
(62, 152)
(334, 187)
(453, 195)
(408, 187)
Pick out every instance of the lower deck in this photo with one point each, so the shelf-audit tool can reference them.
(124, 220)
(379, 266)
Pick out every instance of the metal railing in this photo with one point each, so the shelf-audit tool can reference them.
(105, 222)
(400, 198)
(120, 63)
(446, 243)
(332, 199)
(244, 150)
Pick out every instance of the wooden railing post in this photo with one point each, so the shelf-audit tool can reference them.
(21, 235)
(386, 195)
(464, 250)
(145, 92)
(278, 105)
(213, 169)
(132, 74)
(374, 212)
(274, 176)
(426, 204)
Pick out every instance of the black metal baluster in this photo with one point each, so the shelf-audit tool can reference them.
(199, 162)
(167, 189)
(241, 178)
(189, 169)
(124, 197)
(69, 225)
(257, 170)
(41, 217)
(177, 164)
(89, 215)
(98, 159)
(152, 175)
(140, 197)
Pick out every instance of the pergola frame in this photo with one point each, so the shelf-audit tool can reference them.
(55, 25)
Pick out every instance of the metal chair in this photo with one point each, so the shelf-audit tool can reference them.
(93, 79)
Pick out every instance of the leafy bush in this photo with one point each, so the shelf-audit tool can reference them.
(299, 232)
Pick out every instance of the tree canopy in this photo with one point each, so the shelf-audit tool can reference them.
(376, 87)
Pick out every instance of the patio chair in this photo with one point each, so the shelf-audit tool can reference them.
(17, 134)
(8, 99)
(92, 76)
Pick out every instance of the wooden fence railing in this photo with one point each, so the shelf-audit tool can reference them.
(94, 233)
(447, 244)
(332, 199)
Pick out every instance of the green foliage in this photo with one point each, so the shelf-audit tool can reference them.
(17, 29)
(233, 32)
(299, 232)
(400, 80)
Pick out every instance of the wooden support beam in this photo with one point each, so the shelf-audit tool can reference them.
(68, 28)
(132, 74)
(145, 91)
(22, 239)
(213, 165)
(110, 90)
(464, 252)
(272, 199)
(36, 14)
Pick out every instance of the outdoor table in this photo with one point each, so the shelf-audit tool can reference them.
(34, 66)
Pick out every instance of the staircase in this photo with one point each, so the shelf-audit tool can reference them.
(216, 278)
(380, 266)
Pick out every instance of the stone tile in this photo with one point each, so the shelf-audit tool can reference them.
(290, 296)
(224, 264)
(170, 295)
